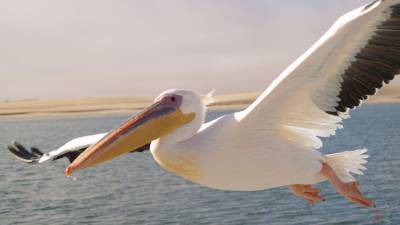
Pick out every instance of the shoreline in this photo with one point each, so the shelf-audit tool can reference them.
(129, 105)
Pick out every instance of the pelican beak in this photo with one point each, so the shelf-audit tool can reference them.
(152, 123)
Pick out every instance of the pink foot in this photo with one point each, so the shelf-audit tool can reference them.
(348, 190)
(307, 192)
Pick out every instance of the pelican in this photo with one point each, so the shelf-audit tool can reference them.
(274, 142)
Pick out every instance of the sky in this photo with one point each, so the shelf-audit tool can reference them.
(53, 49)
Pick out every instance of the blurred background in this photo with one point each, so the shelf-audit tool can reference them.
(112, 57)
(95, 48)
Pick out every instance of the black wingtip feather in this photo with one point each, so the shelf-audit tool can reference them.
(377, 63)
(19, 152)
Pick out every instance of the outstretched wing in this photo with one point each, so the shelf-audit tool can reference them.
(353, 59)
(70, 150)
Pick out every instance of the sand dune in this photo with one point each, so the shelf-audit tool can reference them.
(91, 106)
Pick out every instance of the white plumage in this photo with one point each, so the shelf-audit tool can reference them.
(72, 145)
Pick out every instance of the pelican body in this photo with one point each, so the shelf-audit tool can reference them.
(273, 142)
(223, 154)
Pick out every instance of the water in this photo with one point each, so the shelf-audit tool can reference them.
(135, 190)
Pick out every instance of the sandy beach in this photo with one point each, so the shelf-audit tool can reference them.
(120, 105)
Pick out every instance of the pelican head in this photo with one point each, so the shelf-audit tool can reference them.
(173, 114)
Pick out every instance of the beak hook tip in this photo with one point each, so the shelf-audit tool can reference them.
(68, 171)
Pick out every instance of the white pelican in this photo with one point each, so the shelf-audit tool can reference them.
(274, 141)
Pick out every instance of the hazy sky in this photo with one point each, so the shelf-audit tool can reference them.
(88, 48)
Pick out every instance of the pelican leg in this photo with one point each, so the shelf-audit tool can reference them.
(307, 192)
(348, 190)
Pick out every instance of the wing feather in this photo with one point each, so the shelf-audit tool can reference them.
(353, 59)
(70, 150)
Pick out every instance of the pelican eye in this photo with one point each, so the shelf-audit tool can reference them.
(173, 98)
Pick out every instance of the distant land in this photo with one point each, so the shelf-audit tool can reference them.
(123, 105)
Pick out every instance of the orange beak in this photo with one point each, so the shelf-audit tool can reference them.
(152, 123)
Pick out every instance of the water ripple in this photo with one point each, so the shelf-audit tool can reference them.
(135, 190)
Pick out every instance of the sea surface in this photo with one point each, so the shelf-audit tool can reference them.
(133, 189)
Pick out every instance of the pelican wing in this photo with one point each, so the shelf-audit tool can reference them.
(353, 59)
(70, 150)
